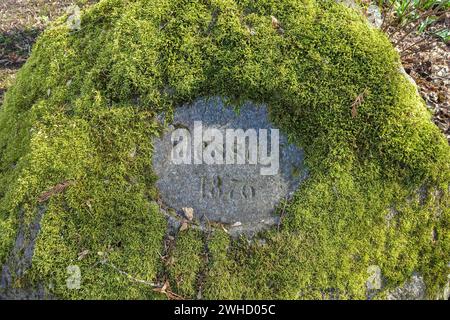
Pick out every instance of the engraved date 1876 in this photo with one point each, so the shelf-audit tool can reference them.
(217, 187)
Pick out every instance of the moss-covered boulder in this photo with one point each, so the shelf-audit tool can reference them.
(79, 216)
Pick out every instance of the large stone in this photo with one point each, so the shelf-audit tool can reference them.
(235, 194)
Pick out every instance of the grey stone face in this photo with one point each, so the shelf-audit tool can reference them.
(235, 194)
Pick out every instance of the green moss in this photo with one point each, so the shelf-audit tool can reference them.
(220, 283)
(186, 263)
(83, 110)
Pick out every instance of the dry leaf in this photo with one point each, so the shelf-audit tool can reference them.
(184, 226)
(173, 296)
(277, 25)
(163, 288)
(358, 101)
(59, 188)
(354, 111)
(188, 213)
(82, 254)
(224, 229)
(170, 261)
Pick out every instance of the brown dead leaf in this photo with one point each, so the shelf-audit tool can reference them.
(173, 296)
(165, 289)
(188, 213)
(277, 25)
(170, 261)
(89, 205)
(59, 188)
(82, 254)
(15, 58)
(275, 22)
(224, 229)
(358, 101)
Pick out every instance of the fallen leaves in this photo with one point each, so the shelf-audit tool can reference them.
(358, 102)
(224, 229)
(13, 59)
(430, 70)
(59, 188)
(277, 25)
(188, 213)
(83, 254)
(184, 226)
(165, 289)
(188, 217)
(162, 289)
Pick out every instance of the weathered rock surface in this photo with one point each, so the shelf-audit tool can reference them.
(414, 289)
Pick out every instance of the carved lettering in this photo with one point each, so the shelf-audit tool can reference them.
(217, 187)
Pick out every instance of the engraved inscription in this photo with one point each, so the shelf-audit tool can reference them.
(240, 179)
(217, 187)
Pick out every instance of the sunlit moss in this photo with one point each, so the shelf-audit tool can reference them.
(186, 262)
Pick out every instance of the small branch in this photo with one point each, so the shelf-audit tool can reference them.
(418, 42)
(419, 19)
(414, 27)
(425, 48)
(157, 287)
(358, 102)
(129, 276)
(59, 188)
(413, 45)
(386, 19)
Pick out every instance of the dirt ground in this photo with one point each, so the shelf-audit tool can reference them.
(21, 21)
(431, 71)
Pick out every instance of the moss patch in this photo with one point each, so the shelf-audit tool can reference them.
(83, 110)
(186, 263)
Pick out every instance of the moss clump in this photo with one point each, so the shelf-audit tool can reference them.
(83, 110)
(186, 263)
